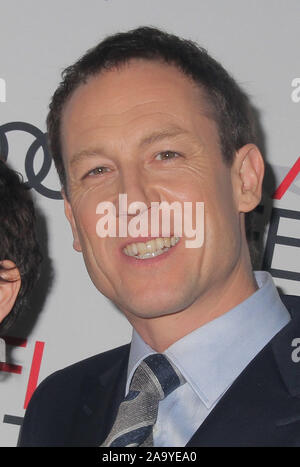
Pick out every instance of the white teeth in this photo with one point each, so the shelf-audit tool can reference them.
(151, 248)
(159, 243)
(167, 242)
(134, 248)
(151, 255)
(141, 248)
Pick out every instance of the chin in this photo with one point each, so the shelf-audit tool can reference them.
(153, 306)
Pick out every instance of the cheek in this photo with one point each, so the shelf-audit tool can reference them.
(84, 209)
(94, 249)
(222, 230)
(221, 219)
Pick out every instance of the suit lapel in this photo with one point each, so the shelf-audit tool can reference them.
(239, 418)
(101, 397)
(258, 410)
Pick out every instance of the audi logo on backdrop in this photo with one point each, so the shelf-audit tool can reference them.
(35, 180)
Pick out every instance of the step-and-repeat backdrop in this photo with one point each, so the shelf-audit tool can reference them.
(257, 41)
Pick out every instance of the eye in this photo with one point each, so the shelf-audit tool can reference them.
(167, 155)
(97, 171)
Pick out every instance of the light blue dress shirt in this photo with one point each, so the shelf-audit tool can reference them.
(211, 358)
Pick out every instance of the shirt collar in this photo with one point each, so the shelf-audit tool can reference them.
(248, 327)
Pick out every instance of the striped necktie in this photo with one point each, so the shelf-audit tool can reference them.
(154, 379)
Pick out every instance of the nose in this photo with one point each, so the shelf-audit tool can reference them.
(138, 187)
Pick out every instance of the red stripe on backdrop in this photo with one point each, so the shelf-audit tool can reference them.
(10, 368)
(34, 371)
(287, 181)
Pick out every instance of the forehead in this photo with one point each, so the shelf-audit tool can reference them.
(139, 93)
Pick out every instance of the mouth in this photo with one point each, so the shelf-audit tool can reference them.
(151, 248)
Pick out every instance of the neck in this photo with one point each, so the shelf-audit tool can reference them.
(161, 332)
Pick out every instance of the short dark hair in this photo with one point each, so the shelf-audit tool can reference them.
(18, 238)
(230, 106)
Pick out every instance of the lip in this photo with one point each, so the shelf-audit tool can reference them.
(148, 261)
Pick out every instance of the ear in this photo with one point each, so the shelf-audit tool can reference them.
(70, 217)
(9, 287)
(247, 177)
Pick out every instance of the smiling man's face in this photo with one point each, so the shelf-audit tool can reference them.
(145, 130)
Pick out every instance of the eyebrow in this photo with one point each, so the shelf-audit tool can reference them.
(89, 152)
(154, 137)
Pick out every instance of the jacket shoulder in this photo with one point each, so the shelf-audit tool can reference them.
(58, 395)
(77, 372)
(292, 302)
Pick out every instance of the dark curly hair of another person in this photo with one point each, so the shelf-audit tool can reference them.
(18, 238)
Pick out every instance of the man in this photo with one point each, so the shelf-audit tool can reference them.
(154, 117)
(20, 255)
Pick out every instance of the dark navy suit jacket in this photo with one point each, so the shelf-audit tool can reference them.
(76, 406)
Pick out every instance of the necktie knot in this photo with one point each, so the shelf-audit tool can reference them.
(153, 380)
(156, 375)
